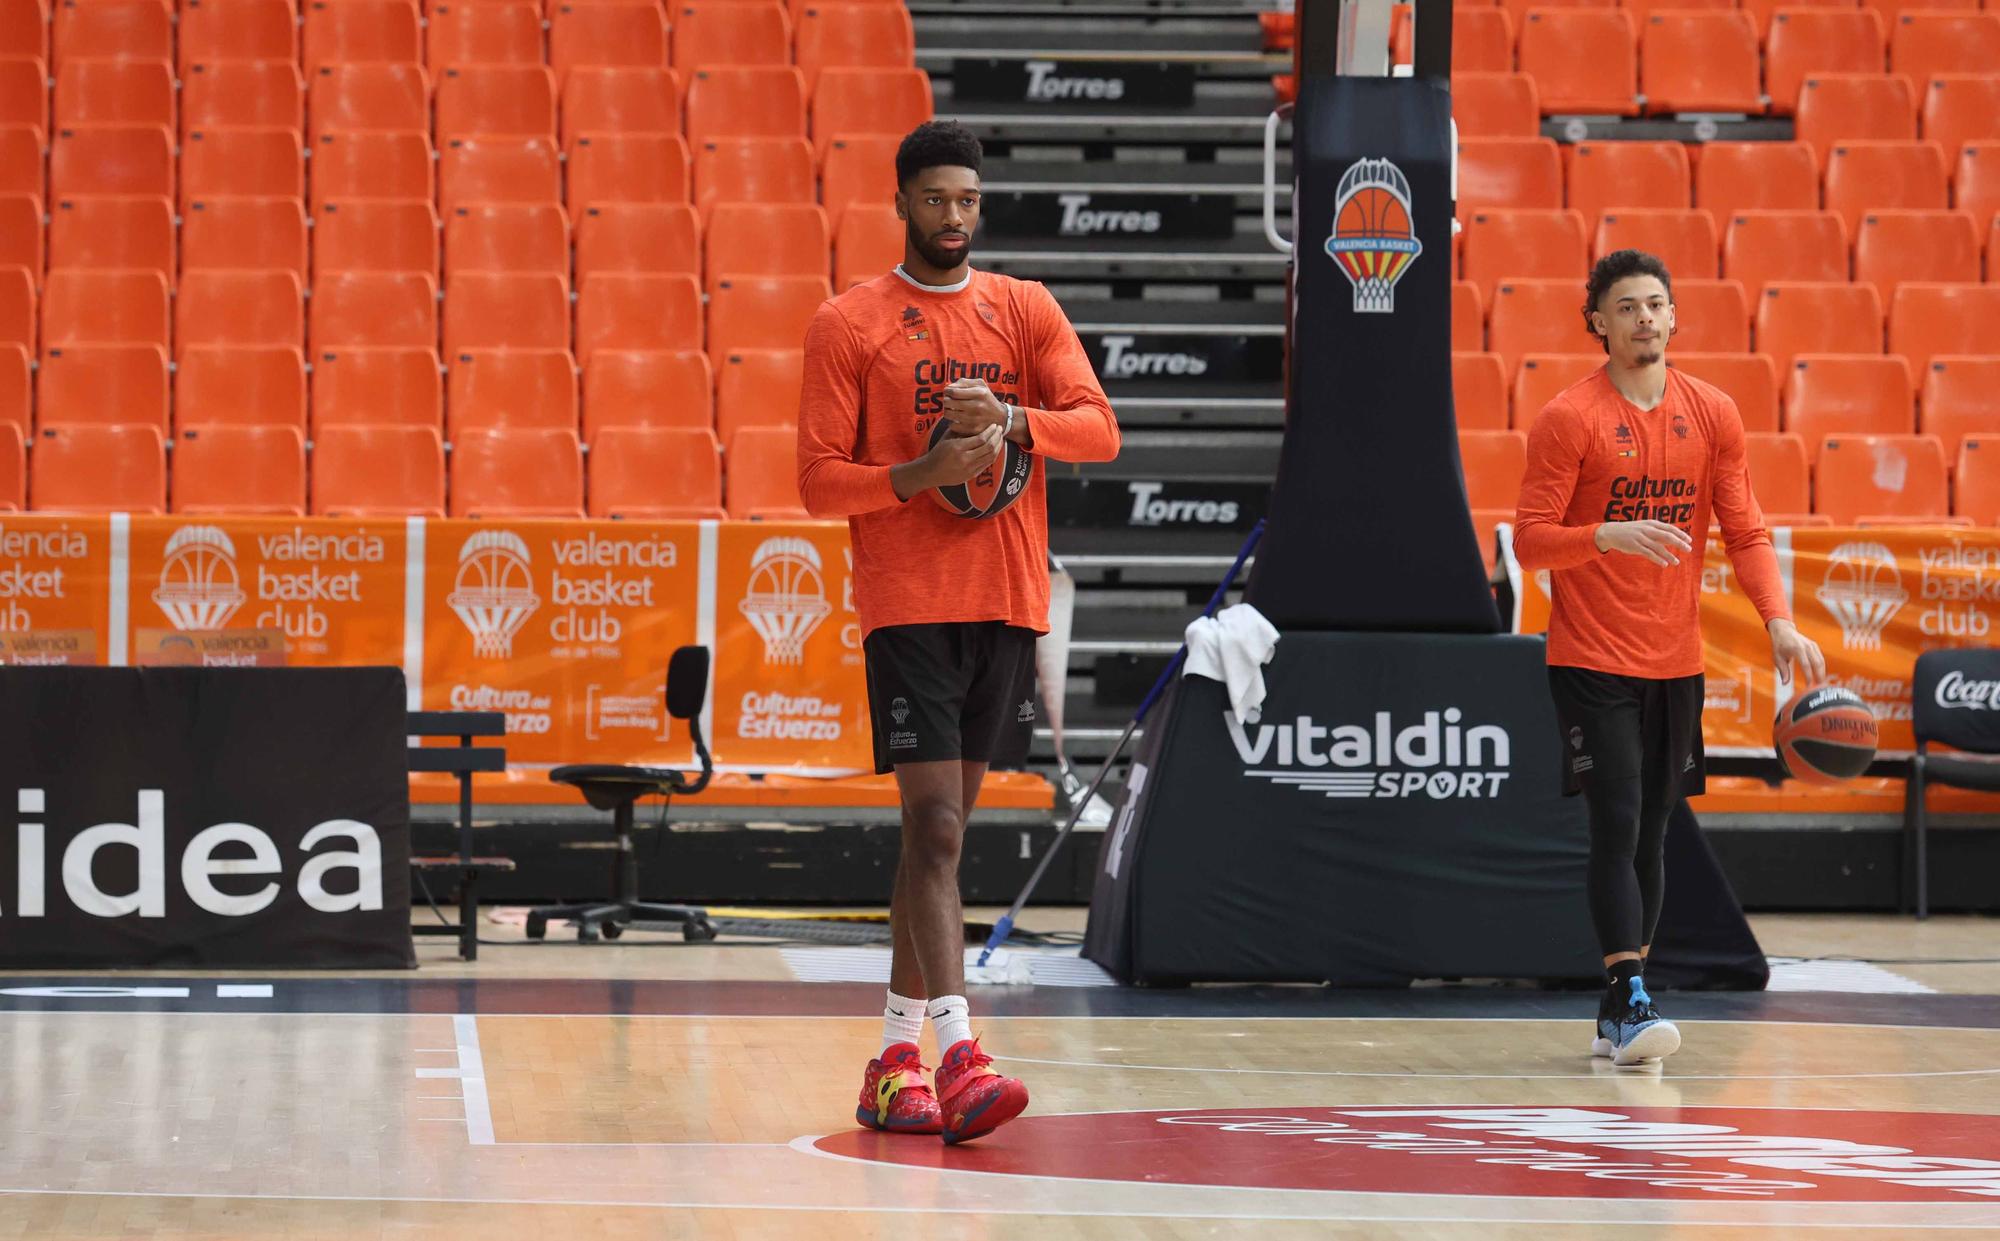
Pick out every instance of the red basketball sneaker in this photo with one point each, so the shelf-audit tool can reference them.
(894, 1097)
(976, 1098)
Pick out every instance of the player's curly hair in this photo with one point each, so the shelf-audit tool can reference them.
(1614, 267)
(934, 144)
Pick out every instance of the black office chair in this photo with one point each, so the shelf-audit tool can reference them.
(1953, 699)
(614, 788)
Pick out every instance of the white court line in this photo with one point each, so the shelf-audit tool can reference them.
(472, 1080)
(1497, 1077)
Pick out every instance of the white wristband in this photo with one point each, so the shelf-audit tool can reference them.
(1009, 428)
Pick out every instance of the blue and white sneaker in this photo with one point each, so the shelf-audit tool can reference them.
(1638, 1035)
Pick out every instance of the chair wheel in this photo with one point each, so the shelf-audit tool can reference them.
(697, 931)
(612, 930)
(537, 927)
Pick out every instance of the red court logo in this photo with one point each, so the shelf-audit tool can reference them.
(1374, 238)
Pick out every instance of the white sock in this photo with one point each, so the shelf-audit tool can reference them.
(902, 1021)
(951, 1017)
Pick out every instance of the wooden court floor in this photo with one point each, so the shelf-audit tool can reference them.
(649, 1089)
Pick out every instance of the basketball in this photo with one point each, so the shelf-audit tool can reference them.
(1825, 735)
(993, 488)
(1373, 212)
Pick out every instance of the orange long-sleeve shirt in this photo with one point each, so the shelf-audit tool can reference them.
(1595, 457)
(877, 361)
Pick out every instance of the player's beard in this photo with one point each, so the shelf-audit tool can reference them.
(937, 256)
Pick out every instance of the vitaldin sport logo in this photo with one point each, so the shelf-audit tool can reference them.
(1439, 757)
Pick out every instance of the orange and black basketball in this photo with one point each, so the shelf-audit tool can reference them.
(1825, 735)
(993, 488)
(1372, 212)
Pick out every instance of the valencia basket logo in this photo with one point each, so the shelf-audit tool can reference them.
(1374, 239)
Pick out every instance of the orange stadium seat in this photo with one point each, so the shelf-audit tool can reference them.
(1479, 391)
(17, 308)
(858, 36)
(392, 386)
(611, 99)
(627, 168)
(516, 472)
(112, 232)
(1494, 462)
(1881, 476)
(373, 308)
(346, 32)
(1791, 246)
(1926, 45)
(859, 168)
(1509, 172)
(870, 242)
(1808, 41)
(644, 310)
(1750, 379)
(656, 474)
(115, 92)
(24, 93)
(1817, 318)
(1518, 9)
(1868, 176)
(99, 469)
(494, 100)
(510, 388)
(636, 237)
(13, 469)
(1756, 176)
(1482, 39)
(1684, 240)
(377, 471)
(763, 312)
(376, 234)
(1506, 245)
(24, 29)
(266, 94)
(356, 164)
(763, 470)
(754, 170)
(760, 239)
(245, 233)
(21, 161)
(242, 163)
(375, 96)
(607, 32)
(239, 308)
(1978, 476)
(758, 388)
(1894, 246)
(646, 388)
(506, 168)
(214, 32)
(1962, 108)
(105, 307)
(488, 236)
(1780, 473)
(21, 233)
(1495, 105)
(1536, 316)
(1848, 394)
(1606, 175)
(240, 471)
(111, 159)
(863, 101)
(1930, 319)
(114, 30)
(1854, 107)
(766, 101)
(1700, 61)
(1893, 9)
(1468, 318)
(1542, 377)
(102, 384)
(508, 32)
(1711, 316)
(736, 32)
(1582, 60)
(1961, 397)
(506, 310)
(17, 388)
(240, 385)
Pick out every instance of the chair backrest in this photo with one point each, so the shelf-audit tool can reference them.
(755, 170)
(240, 385)
(357, 31)
(239, 308)
(1925, 45)
(1818, 318)
(1494, 462)
(627, 168)
(1756, 176)
(237, 31)
(1542, 377)
(1977, 491)
(245, 233)
(1892, 247)
(344, 97)
(1848, 394)
(243, 470)
(1482, 39)
(509, 168)
(374, 308)
(752, 101)
(86, 383)
(620, 99)
(656, 473)
(495, 100)
(1536, 316)
(112, 159)
(516, 237)
(732, 33)
(1524, 245)
(1863, 176)
(765, 239)
(1583, 60)
(385, 386)
(1962, 108)
(242, 161)
(1468, 318)
(112, 232)
(1780, 473)
(1832, 40)
(360, 164)
(114, 92)
(1930, 319)
(1761, 246)
(126, 307)
(646, 387)
(13, 469)
(862, 168)
(764, 473)
(1700, 61)
(1509, 172)
(1684, 239)
(1711, 316)
(377, 471)
(485, 33)
(376, 234)
(601, 34)
(637, 310)
(757, 388)
(1479, 391)
(1955, 699)
(1495, 105)
(99, 469)
(1844, 107)
(1961, 397)
(1881, 476)
(1750, 379)
(638, 237)
(516, 472)
(763, 312)
(868, 101)
(511, 388)
(1606, 175)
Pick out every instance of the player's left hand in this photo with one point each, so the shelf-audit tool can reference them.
(1790, 648)
(972, 407)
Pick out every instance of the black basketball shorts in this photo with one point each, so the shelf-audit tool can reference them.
(956, 690)
(1617, 726)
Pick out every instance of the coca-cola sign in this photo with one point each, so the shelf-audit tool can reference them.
(1956, 691)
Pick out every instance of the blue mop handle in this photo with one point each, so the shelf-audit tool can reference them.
(1214, 601)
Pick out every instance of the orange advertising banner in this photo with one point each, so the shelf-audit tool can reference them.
(55, 574)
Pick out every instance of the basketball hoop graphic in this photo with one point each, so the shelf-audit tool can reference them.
(1863, 591)
(494, 594)
(786, 600)
(1374, 241)
(198, 584)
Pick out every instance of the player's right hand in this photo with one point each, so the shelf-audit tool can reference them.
(1655, 540)
(962, 458)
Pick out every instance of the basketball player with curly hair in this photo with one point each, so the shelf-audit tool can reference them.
(922, 387)
(1625, 470)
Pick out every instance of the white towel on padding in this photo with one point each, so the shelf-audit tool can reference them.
(1232, 647)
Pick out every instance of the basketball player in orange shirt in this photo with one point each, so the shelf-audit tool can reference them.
(949, 606)
(1625, 469)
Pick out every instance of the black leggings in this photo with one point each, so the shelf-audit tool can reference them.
(1628, 834)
